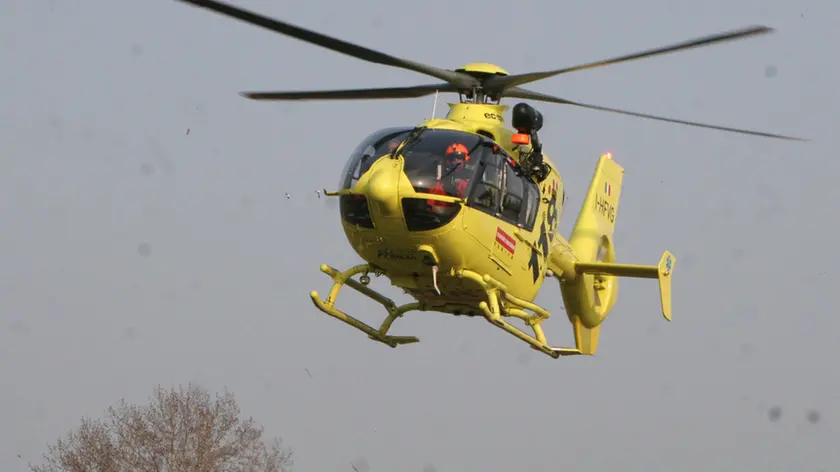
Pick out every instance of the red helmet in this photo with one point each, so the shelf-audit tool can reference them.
(458, 150)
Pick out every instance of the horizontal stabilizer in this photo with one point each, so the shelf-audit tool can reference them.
(662, 272)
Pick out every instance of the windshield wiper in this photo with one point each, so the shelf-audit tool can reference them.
(414, 136)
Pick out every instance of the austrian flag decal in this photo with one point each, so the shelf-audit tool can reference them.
(505, 240)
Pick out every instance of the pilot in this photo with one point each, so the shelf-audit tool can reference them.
(454, 173)
(457, 157)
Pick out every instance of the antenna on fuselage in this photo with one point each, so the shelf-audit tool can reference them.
(434, 106)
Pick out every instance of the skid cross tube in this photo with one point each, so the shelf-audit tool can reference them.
(500, 304)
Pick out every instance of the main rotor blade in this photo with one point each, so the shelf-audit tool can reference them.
(359, 52)
(357, 94)
(504, 82)
(530, 95)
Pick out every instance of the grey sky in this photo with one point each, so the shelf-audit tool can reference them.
(99, 95)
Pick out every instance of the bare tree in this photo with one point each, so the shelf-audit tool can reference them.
(178, 431)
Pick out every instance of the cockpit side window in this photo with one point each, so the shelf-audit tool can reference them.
(532, 203)
(488, 190)
(521, 198)
(369, 151)
(514, 196)
(503, 192)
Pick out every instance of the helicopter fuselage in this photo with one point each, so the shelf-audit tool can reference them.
(503, 225)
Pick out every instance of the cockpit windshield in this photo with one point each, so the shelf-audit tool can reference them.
(444, 162)
(369, 151)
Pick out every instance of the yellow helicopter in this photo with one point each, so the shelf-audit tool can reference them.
(462, 212)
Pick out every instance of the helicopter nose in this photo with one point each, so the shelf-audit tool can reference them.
(382, 190)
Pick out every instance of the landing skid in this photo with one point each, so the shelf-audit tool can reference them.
(500, 305)
(345, 278)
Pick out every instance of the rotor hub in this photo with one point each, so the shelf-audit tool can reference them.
(481, 72)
